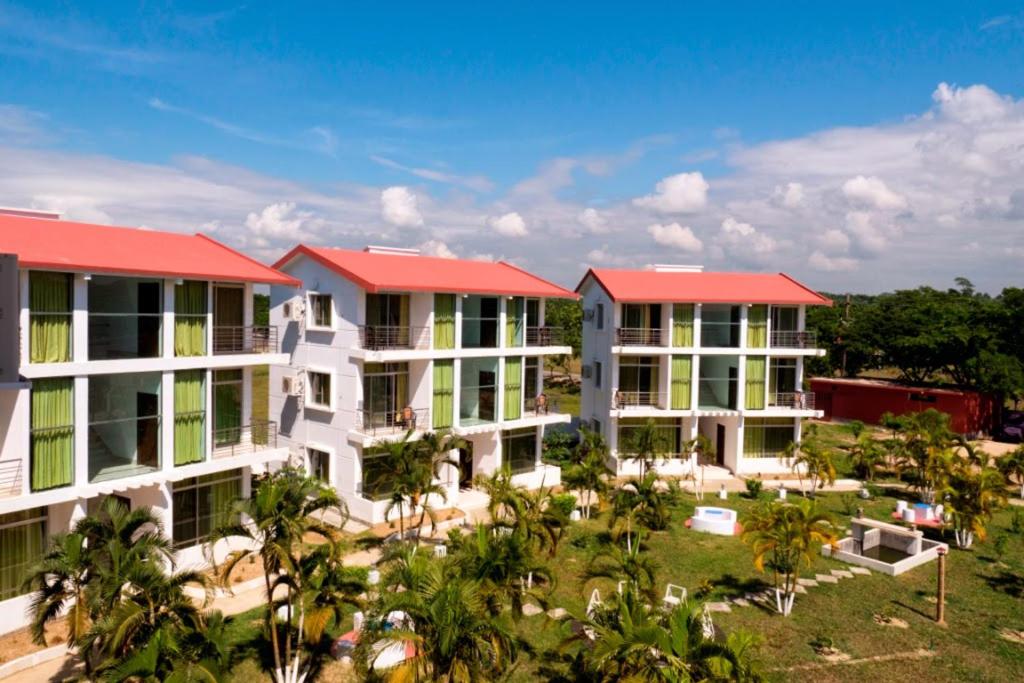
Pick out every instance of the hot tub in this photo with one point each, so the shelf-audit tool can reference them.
(712, 520)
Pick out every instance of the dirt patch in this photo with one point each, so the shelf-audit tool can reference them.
(832, 655)
(19, 643)
(895, 622)
(1012, 635)
(385, 529)
(249, 568)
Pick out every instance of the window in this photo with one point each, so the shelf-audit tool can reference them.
(596, 425)
(227, 407)
(638, 380)
(781, 380)
(478, 395)
(387, 322)
(319, 464)
(319, 395)
(49, 310)
(598, 371)
(519, 448)
(530, 378)
(53, 433)
(668, 438)
(785, 318)
(719, 376)
(201, 504)
(442, 408)
(766, 437)
(125, 316)
(720, 326)
(479, 322)
(385, 394)
(377, 479)
(321, 309)
(124, 425)
(599, 316)
(190, 304)
(22, 544)
(189, 416)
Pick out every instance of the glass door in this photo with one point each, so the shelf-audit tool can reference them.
(227, 407)
(228, 319)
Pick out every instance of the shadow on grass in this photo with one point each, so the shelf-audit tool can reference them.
(915, 610)
(1006, 582)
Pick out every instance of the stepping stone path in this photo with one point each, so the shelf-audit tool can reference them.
(557, 613)
(531, 610)
(826, 578)
(841, 574)
(741, 602)
(808, 583)
(718, 607)
(799, 589)
(863, 571)
(767, 597)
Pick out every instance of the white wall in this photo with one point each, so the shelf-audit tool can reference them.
(595, 403)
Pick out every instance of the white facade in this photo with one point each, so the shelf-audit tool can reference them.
(628, 378)
(382, 384)
(131, 452)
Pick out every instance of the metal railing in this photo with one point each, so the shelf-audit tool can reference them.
(639, 336)
(789, 339)
(798, 400)
(245, 439)
(244, 339)
(545, 336)
(636, 399)
(383, 337)
(399, 421)
(10, 478)
(539, 405)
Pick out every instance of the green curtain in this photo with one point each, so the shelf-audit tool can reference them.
(222, 495)
(681, 382)
(443, 408)
(21, 546)
(190, 318)
(757, 327)
(403, 310)
(514, 322)
(444, 321)
(53, 433)
(755, 383)
(513, 388)
(753, 438)
(189, 416)
(49, 317)
(682, 325)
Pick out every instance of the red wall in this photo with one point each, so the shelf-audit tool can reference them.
(969, 411)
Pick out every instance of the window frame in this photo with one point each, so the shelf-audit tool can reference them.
(312, 310)
(599, 315)
(326, 456)
(309, 402)
(194, 485)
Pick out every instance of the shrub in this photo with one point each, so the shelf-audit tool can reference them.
(564, 503)
(754, 488)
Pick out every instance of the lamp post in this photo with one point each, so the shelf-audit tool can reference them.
(940, 604)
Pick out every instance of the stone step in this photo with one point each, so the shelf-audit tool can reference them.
(806, 582)
(718, 606)
(531, 610)
(557, 613)
(863, 571)
(842, 574)
(741, 602)
(826, 578)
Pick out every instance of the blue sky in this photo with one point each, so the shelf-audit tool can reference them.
(488, 131)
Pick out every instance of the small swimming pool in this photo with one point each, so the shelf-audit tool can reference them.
(712, 520)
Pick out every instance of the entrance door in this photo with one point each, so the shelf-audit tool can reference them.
(228, 319)
(466, 466)
(720, 445)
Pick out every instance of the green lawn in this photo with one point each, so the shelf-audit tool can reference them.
(260, 392)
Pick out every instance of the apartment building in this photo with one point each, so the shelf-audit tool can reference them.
(126, 370)
(386, 342)
(718, 354)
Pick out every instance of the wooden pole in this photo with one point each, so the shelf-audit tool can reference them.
(940, 604)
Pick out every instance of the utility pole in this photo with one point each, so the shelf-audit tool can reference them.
(940, 604)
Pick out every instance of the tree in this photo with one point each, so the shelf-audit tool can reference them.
(867, 455)
(279, 515)
(784, 536)
(59, 585)
(1012, 467)
(630, 565)
(812, 458)
(589, 474)
(974, 494)
(698, 448)
(645, 444)
(567, 315)
(505, 567)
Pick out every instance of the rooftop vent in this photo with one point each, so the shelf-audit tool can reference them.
(675, 268)
(30, 213)
(395, 251)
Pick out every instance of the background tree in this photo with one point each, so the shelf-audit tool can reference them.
(568, 315)
(1012, 467)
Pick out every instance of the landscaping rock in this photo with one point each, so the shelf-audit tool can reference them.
(557, 613)
(807, 583)
(864, 571)
(826, 578)
(531, 610)
(741, 602)
(842, 574)
(718, 607)
(799, 589)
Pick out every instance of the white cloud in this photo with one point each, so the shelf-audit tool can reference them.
(790, 196)
(22, 126)
(283, 221)
(680, 193)
(398, 207)
(675, 236)
(820, 261)
(872, 192)
(593, 220)
(973, 104)
(509, 224)
(834, 241)
(603, 256)
(743, 242)
(477, 183)
(869, 238)
(436, 248)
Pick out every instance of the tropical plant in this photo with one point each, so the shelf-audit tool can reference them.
(502, 495)
(784, 536)
(506, 568)
(867, 455)
(1012, 467)
(974, 494)
(811, 458)
(643, 502)
(698, 448)
(589, 476)
(283, 510)
(924, 451)
(630, 566)
(645, 444)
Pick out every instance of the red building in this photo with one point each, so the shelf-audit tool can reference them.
(867, 399)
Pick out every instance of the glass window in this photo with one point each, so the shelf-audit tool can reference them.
(638, 380)
(478, 395)
(385, 393)
(125, 316)
(668, 441)
(190, 313)
(53, 433)
(377, 483)
(479, 322)
(124, 425)
(49, 310)
(321, 308)
(319, 390)
(785, 318)
(189, 416)
(201, 504)
(227, 407)
(22, 544)
(766, 437)
(599, 316)
(720, 326)
(781, 379)
(319, 464)
(530, 378)
(598, 371)
(718, 382)
(519, 448)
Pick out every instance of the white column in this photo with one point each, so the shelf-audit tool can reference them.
(81, 398)
(247, 305)
(209, 319)
(768, 326)
(695, 381)
(458, 320)
(744, 310)
(23, 316)
(502, 318)
(247, 394)
(456, 391)
(80, 320)
(739, 442)
(541, 311)
(167, 421)
(741, 382)
(696, 325)
(167, 325)
(500, 399)
(539, 447)
(209, 415)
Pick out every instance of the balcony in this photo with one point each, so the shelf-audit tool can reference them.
(545, 336)
(539, 405)
(380, 423)
(245, 439)
(624, 400)
(639, 336)
(791, 339)
(797, 400)
(229, 339)
(387, 337)
(11, 478)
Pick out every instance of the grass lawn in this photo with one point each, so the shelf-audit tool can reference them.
(260, 392)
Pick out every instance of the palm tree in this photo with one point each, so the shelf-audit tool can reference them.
(645, 444)
(785, 536)
(866, 454)
(629, 641)
(814, 459)
(433, 451)
(1012, 467)
(282, 511)
(644, 501)
(398, 459)
(589, 476)
(329, 587)
(619, 564)
(699, 447)
(505, 567)
(502, 495)
(973, 496)
(59, 585)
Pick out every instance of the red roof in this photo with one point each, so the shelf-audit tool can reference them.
(377, 272)
(700, 287)
(83, 247)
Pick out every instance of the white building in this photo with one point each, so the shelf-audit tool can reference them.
(384, 341)
(126, 365)
(719, 354)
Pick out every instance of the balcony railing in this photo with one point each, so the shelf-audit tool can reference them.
(245, 439)
(636, 399)
(229, 339)
(10, 478)
(539, 405)
(384, 337)
(639, 336)
(797, 400)
(378, 423)
(545, 336)
(789, 339)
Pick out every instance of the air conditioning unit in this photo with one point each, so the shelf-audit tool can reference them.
(291, 386)
(587, 371)
(293, 309)
(588, 314)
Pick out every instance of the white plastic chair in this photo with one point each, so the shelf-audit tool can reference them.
(357, 621)
(674, 595)
(620, 587)
(595, 601)
(441, 550)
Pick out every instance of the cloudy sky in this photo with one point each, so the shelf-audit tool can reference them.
(858, 152)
